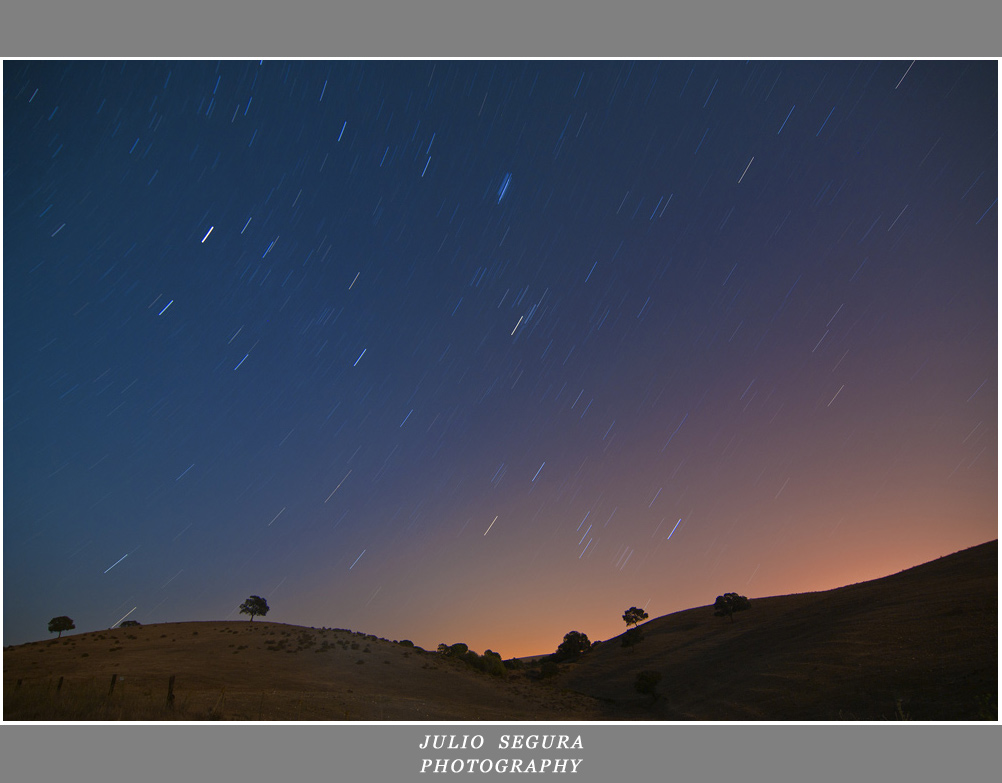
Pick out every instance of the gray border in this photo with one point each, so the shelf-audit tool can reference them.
(391, 753)
(512, 28)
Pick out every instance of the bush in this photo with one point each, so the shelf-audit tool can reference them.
(633, 637)
(492, 664)
(457, 650)
(647, 682)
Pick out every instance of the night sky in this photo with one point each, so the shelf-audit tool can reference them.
(490, 351)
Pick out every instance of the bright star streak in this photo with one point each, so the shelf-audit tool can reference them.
(338, 486)
(673, 530)
(836, 395)
(746, 170)
(207, 234)
(537, 472)
(126, 615)
(116, 562)
(488, 530)
(356, 560)
(903, 75)
(785, 121)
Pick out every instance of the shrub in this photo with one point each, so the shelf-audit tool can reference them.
(633, 637)
(647, 682)
(492, 664)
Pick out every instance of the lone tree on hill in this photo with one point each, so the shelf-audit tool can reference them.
(574, 645)
(60, 624)
(253, 606)
(729, 603)
(634, 615)
(129, 624)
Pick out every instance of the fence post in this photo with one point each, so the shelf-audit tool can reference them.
(114, 677)
(170, 692)
(59, 685)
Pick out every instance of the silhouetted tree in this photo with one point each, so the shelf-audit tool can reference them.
(633, 615)
(729, 603)
(255, 605)
(129, 624)
(647, 682)
(572, 647)
(60, 624)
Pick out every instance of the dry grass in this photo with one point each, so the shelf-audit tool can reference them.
(260, 671)
(919, 645)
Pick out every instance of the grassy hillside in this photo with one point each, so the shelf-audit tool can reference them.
(919, 645)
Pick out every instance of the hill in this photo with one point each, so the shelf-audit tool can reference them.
(921, 645)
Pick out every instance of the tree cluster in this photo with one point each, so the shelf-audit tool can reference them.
(489, 663)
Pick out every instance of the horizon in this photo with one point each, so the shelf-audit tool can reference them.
(465, 351)
(432, 648)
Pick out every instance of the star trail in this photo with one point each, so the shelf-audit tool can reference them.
(311, 330)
